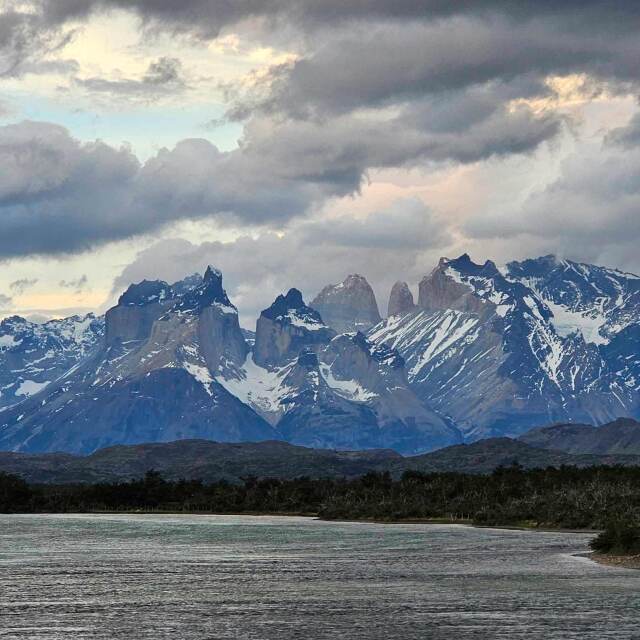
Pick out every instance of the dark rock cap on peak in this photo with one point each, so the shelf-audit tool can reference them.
(209, 292)
(291, 301)
(465, 265)
(212, 273)
(145, 292)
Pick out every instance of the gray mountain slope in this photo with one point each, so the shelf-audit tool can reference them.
(486, 352)
(151, 380)
(33, 356)
(325, 390)
(621, 436)
(211, 461)
(500, 351)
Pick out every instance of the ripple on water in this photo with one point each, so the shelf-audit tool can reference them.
(186, 577)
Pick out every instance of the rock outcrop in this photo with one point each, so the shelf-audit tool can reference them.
(137, 309)
(348, 306)
(354, 394)
(443, 289)
(400, 300)
(286, 328)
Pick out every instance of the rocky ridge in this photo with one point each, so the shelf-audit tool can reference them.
(487, 351)
(502, 350)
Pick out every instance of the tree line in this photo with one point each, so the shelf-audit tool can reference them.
(566, 497)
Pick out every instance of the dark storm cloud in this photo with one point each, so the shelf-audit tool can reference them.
(25, 39)
(376, 84)
(58, 195)
(385, 64)
(208, 18)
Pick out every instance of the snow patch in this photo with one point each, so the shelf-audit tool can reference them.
(30, 387)
(201, 374)
(349, 389)
(8, 341)
(225, 308)
(304, 322)
(259, 388)
(567, 322)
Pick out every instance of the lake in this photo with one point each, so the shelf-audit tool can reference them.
(155, 576)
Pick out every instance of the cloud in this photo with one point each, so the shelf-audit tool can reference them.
(391, 63)
(627, 137)
(407, 225)
(376, 52)
(40, 316)
(208, 18)
(163, 77)
(37, 318)
(78, 285)
(373, 85)
(403, 241)
(60, 196)
(588, 212)
(21, 285)
(5, 302)
(27, 38)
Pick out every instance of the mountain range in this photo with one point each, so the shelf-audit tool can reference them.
(485, 352)
(212, 461)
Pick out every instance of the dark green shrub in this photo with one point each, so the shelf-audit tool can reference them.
(618, 537)
(15, 494)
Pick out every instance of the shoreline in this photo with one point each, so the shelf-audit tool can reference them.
(620, 562)
(316, 516)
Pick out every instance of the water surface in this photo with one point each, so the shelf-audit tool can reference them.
(187, 577)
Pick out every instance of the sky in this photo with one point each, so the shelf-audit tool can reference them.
(293, 142)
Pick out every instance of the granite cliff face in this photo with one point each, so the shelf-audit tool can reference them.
(137, 309)
(348, 306)
(286, 328)
(443, 289)
(400, 300)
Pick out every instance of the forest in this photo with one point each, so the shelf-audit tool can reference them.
(600, 497)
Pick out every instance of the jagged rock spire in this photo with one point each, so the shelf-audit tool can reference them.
(210, 291)
(400, 300)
